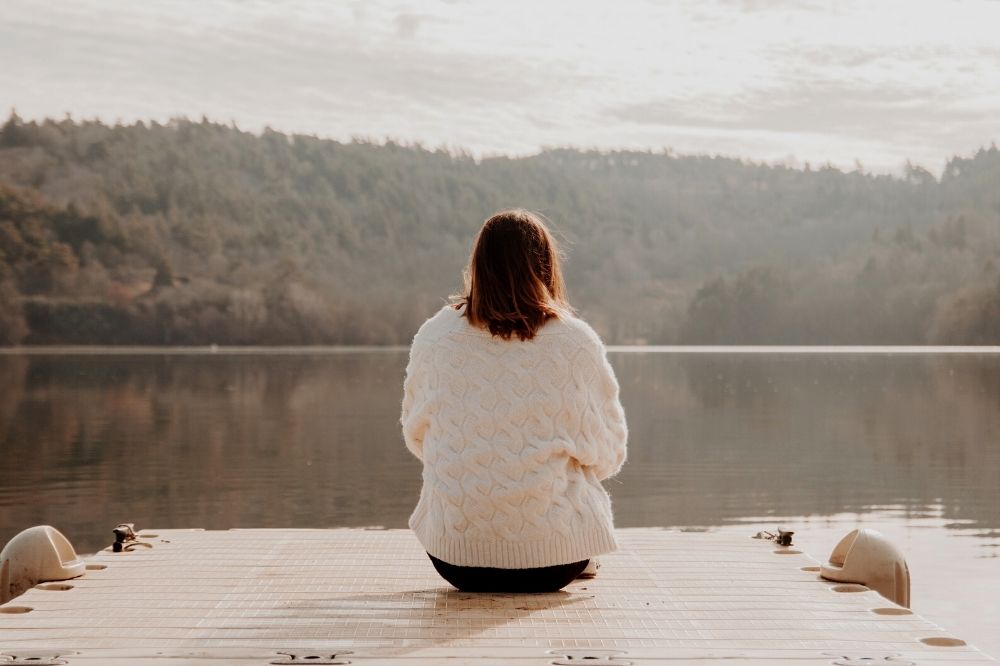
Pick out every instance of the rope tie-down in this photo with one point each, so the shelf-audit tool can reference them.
(126, 539)
(782, 538)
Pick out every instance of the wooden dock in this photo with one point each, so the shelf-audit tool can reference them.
(371, 597)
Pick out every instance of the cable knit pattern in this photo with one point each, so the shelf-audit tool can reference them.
(515, 438)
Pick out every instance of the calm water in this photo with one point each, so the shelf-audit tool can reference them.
(818, 442)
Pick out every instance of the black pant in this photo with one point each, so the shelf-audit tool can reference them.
(488, 579)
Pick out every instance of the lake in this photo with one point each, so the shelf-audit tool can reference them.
(819, 441)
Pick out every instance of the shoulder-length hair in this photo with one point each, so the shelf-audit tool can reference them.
(513, 283)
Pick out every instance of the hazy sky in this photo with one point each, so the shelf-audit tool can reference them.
(879, 81)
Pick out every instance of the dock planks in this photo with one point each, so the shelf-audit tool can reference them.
(371, 597)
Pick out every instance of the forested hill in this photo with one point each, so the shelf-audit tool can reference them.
(199, 233)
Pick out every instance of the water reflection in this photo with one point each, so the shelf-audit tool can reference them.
(717, 438)
(214, 442)
(312, 440)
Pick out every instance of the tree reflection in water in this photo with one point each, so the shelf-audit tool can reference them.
(311, 439)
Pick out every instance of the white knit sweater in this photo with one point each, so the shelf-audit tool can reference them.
(515, 438)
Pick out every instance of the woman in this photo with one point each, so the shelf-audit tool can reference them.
(512, 406)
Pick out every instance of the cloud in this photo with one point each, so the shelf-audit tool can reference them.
(262, 65)
(838, 108)
(825, 59)
(408, 24)
(762, 78)
(752, 6)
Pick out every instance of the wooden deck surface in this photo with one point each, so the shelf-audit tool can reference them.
(371, 597)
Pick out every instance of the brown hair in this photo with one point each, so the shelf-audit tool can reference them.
(513, 283)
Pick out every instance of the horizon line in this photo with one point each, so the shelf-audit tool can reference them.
(791, 162)
(277, 350)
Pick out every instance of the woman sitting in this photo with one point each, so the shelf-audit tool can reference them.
(512, 406)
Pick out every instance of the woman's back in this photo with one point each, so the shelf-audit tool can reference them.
(515, 437)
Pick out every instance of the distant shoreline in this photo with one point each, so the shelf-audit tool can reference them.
(278, 350)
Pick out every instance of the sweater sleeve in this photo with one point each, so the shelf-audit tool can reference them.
(415, 418)
(604, 432)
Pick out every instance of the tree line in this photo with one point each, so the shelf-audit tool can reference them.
(201, 233)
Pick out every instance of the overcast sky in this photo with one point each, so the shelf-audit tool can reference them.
(878, 81)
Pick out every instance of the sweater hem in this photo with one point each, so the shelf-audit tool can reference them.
(546, 552)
